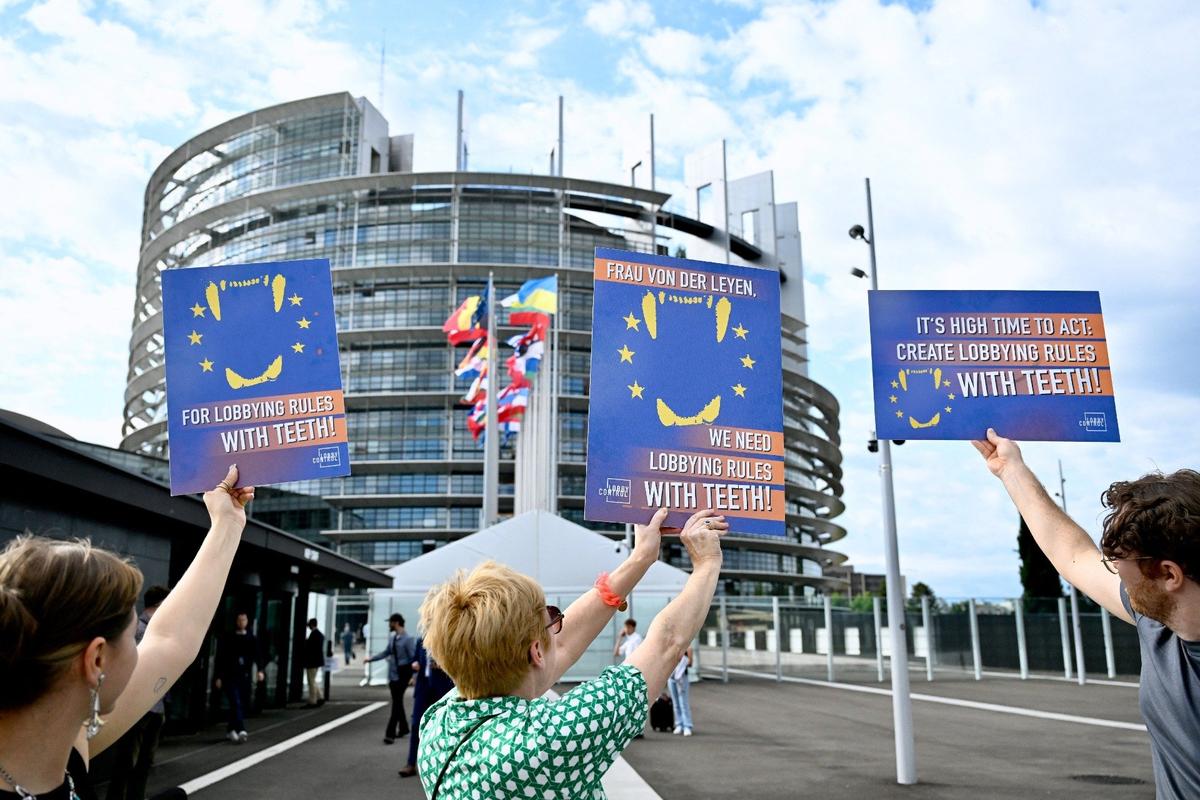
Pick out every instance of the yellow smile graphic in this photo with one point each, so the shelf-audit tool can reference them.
(721, 310)
(212, 295)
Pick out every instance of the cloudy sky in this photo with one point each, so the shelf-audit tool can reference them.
(1011, 145)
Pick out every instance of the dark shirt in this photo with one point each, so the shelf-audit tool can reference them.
(313, 656)
(238, 655)
(1170, 700)
(430, 677)
(79, 774)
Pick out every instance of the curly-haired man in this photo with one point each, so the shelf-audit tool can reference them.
(1147, 572)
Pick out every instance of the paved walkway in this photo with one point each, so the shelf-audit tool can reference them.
(754, 738)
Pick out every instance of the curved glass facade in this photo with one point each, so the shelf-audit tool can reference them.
(318, 179)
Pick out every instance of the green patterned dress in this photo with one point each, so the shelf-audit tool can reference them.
(532, 749)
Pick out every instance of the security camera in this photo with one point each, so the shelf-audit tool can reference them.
(872, 445)
(858, 273)
(857, 232)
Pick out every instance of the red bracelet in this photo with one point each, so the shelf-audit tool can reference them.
(607, 595)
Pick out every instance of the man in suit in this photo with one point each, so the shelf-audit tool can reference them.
(314, 660)
(431, 685)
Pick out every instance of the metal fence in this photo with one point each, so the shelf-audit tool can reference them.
(973, 638)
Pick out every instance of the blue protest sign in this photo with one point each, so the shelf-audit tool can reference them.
(951, 364)
(686, 395)
(252, 374)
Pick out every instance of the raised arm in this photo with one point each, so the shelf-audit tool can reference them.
(1069, 548)
(585, 618)
(174, 635)
(677, 625)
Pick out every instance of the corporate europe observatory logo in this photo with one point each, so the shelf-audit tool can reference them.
(1094, 422)
(328, 457)
(617, 490)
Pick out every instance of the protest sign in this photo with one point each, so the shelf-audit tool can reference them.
(252, 374)
(686, 395)
(951, 364)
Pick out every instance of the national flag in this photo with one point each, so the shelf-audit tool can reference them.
(478, 388)
(468, 322)
(474, 362)
(511, 402)
(525, 361)
(534, 319)
(540, 294)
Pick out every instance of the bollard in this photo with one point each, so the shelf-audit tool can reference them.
(877, 607)
(1066, 637)
(778, 639)
(1110, 659)
(724, 643)
(1080, 669)
(829, 638)
(927, 621)
(1022, 652)
(975, 655)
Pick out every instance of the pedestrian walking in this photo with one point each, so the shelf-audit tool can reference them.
(348, 644)
(133, 754)
(1146, 572)
(68, 621)
(678, 684)
(431, 685)
(313, 660)
(401, 652)
(239, 660)
(493, 633)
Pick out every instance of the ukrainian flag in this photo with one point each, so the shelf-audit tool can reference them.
(535, 295)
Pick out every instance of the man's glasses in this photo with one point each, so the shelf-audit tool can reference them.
(556, 619)
(1110, 562)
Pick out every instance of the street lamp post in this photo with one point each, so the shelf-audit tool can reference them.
(906, 759)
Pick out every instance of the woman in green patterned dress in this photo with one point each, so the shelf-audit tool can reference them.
(495, 735)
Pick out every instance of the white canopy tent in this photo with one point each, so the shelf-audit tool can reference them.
(563, 557)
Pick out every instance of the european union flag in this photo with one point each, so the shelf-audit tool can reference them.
(252, 374)
(686, 393)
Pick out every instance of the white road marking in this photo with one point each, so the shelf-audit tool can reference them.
(257, 758)
(951, 701)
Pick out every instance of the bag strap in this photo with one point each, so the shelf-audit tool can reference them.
(441, 775)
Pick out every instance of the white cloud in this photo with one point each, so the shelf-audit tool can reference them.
(1010, 145)
(676, 51)
(619, 18)
(65, 326)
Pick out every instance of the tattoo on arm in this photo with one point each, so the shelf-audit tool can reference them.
(159, 685)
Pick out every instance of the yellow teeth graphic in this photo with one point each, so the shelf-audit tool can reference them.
(722, 313)
(932, 422)
(650, 314)
(707, 415)
(214, 300)
(269, 374)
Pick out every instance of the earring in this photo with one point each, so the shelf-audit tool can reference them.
(94, 723)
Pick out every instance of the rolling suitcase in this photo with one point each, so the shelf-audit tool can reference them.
(662, 714)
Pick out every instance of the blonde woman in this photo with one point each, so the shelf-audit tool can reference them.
(72, 679)
(495, 736)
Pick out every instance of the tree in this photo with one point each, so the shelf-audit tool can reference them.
(1039, 579)
(919, 590)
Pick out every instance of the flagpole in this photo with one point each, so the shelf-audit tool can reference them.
(491, 444)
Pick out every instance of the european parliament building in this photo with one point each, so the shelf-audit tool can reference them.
(323, 178)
